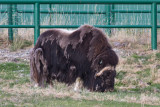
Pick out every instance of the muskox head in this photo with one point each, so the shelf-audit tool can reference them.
(103, 62)
(104, 71)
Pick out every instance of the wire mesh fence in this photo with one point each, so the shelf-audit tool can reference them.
(79, 14)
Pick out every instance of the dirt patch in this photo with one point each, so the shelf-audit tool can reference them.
(9, 56)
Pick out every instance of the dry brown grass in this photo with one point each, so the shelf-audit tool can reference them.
(65, 91)
(135, 39)
(133, 70)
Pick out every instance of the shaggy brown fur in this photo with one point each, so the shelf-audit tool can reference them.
(84, 54)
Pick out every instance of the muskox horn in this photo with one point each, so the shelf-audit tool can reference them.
(104, 69)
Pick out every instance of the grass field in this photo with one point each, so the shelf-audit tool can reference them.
(15, 90)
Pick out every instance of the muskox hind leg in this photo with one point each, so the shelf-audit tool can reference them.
(38, 68)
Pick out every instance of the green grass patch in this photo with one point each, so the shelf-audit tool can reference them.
(144, 73)
(15, 73)
(153, 88)
(119, 83)
(120, 75)
(144, 59)
(158, 56)
(10, 67)
(50, 101)
(4, 99)
(68, 102)
(136, 59)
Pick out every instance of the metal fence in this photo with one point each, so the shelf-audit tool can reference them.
(109, 12)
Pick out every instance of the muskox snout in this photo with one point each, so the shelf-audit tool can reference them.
(105, 81)
(109, 74)
(111, 90)
(104, 88)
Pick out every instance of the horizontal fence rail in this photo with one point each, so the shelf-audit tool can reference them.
(64, 12)
(81, 12)
(76, 26)
(79, 1)
(12, 11)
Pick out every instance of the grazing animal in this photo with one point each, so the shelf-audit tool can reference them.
(82, 56)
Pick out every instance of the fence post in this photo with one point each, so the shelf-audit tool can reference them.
(50, 9)
(10, 22)
(154, 26)
(36, 21)
(108, 16)
(15, 19)
(112, 15)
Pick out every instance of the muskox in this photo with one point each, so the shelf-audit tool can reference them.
(82, 56)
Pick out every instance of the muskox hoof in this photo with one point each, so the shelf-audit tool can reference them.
(50, 85)
(36, 85)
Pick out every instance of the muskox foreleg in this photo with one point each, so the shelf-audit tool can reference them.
(78, 84)
(38, 66)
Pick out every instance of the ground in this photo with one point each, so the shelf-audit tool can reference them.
(137, 82)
